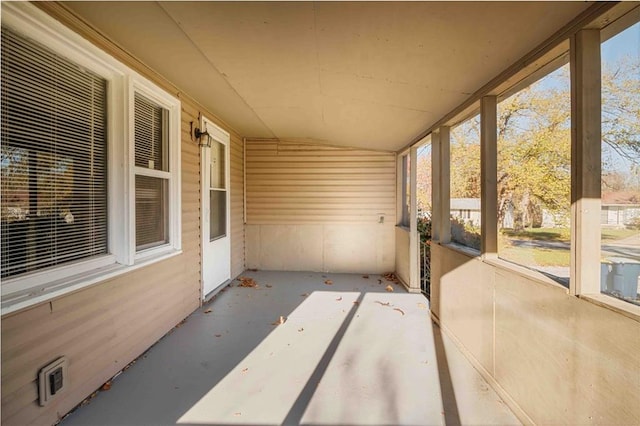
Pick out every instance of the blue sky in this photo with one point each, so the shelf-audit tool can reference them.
(626, 43)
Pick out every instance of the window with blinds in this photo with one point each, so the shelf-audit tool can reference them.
(53, 159)
(152, 173)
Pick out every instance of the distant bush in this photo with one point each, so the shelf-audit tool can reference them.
(424, 229)
(465, 233)
(634, 223)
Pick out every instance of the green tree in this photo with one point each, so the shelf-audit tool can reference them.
(534, 151)
(534, 145)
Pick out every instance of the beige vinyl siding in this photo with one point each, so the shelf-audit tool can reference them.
(237, 206)
(100, 329)
(318, 208)
(295, 183)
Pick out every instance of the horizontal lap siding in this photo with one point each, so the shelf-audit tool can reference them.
(237, 206)
(104, 327)
(293, 183)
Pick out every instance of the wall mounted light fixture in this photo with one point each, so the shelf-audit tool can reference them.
(197, 135)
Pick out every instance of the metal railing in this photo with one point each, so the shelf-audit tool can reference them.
(425, 268)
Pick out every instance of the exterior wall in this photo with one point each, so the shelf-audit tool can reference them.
(101, 328)
(619, 215)
(556, 358)
(402, 254)
(317, 208)
(237, 205)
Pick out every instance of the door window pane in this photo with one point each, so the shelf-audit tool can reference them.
(217, 214)
(218, 165)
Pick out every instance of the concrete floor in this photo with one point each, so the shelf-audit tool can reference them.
(349, 353)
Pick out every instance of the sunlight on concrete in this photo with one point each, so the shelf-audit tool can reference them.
(348, 353)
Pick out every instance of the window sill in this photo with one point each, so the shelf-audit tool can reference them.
(467, 251)
(620, 306)
(524, 272)
(17, 301)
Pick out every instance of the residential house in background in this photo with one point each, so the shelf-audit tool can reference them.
(620, 209)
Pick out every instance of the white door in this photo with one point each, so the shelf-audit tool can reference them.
(216, 241)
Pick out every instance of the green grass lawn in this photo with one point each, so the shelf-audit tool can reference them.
(531, 256)
(541, 234)
(613, 234)
(563, 234)
(547, 256)
(535, 256)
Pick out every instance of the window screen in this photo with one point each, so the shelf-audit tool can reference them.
(53, 159)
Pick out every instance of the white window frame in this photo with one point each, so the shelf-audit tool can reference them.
(168, 102)
(122, 82)
(404, 208)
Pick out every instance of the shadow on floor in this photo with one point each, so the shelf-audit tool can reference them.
(177, 373)
(348, 353)
(450, 406)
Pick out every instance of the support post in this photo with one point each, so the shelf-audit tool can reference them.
(436, 210)
(400, 188)
(445, 189)
(489, 176)
(585, 162)
(414, 238)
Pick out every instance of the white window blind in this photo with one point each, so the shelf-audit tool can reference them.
(152, 177)
(53, 159)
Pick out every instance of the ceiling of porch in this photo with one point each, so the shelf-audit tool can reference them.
(363, 74)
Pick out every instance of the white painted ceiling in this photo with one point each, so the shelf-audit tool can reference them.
(362, 74)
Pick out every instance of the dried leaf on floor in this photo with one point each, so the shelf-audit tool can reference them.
(399, 310)
(365, 276)
(304, 294)
(237, 414)
(269, 286)
(390, 276)
(280, 321)
(355, 302)
(88, 399)
(388, 287)
(208, 311)
(328, 282)
(247, 282)
(339, 298)
(244, 370)
(382, 304)
(106, 386)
